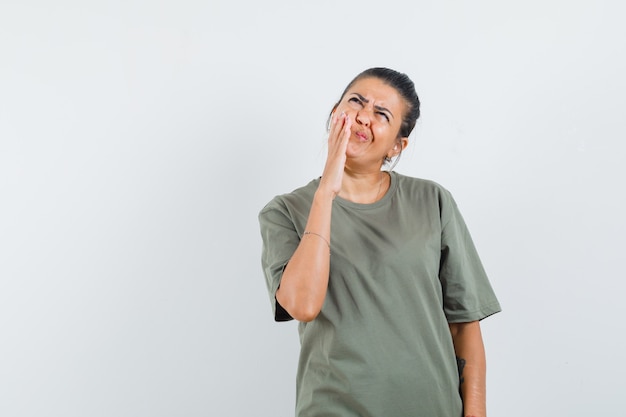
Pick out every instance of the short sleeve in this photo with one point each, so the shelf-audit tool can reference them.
(468, 295)
(280, 240)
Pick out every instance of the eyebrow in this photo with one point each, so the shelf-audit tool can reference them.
(379, 108)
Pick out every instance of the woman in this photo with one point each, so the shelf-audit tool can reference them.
(380, 270)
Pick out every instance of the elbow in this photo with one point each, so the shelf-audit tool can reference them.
(305, 315)
(301, 310)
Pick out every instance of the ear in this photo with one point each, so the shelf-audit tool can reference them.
(399, 146)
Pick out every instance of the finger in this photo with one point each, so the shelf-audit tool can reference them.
(338, 139)
(337, 124)
(347, 129)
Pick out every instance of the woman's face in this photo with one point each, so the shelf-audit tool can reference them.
(376, 111)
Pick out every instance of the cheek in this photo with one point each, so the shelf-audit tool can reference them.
(349, 110)
(384, 133)
(342, 108)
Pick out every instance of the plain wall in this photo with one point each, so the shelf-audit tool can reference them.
(140, 139)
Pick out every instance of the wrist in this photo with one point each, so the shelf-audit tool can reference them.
(324, 195)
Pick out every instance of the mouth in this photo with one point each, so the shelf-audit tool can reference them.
(361, 136)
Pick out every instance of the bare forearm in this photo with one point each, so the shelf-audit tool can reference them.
(470, 351)
(305, 279)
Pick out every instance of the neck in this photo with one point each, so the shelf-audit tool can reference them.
(364, 187)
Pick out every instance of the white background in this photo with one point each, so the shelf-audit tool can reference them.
(139, 140)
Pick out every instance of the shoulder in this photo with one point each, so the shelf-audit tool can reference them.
(296, 200)
(422, 188)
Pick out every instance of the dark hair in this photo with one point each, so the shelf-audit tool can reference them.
(403, 85)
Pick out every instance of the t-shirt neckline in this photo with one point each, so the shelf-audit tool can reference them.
(388, 195)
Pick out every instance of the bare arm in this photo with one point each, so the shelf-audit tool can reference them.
(305, 280)
(470, 352)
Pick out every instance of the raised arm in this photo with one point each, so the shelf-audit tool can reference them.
(470, 352)
(305, 280)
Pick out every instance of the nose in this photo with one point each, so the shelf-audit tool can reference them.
(363, 117)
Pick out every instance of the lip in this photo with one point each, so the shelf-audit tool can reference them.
(362, 136)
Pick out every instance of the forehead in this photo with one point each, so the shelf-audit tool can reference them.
(378, 91)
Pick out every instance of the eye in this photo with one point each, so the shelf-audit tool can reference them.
(355, 100)
(384, 115)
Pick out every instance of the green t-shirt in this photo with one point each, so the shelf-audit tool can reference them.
(401, 269)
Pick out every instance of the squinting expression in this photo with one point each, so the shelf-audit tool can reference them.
(376, 111)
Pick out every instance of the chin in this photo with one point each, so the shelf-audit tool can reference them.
(356, 149)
